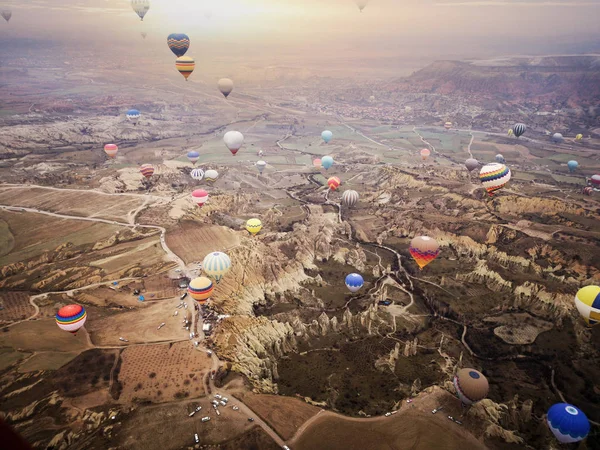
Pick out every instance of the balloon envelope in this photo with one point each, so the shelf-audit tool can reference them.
(234, 141)
(111, 150)
(326, 162)
(568, 423)
(200, 289)
(557, 138)
(572, 165)
(225, 86)
(587, 302)
(253, 226)
(133, 115)
(197, 174)
(317, 163)
(471, 386)
(200, 196)
(326, 135)
(216, 265)
(354, 282)
(185, 65)
(519, 129)
(350, 198)
(140, 7)
(595, 180)
(494, 176)
(178, 43)
(7, 14)
(471, 164)
(448, 125)
(260, 165)
(500, 158)
(424, 249)
(361, 4)
(147, 170)
(211, 175)
(193, 157)
(425, 153)
(71, 318)
(334, 183)
(579, 137)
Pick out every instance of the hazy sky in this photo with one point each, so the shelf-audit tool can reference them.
(321, 29)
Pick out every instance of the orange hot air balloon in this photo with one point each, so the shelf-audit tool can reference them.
(334, 183)
(111, 150)
(424, 249)
(425, 154)
(200, 289)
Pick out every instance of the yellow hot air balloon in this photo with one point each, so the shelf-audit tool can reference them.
(510, 132)
(185, 65)
(200, 289)
(254, 226)
(587, 302)
(579, 137)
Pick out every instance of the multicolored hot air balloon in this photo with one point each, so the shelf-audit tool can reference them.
(471, 164)
(326, 136)
(587, 302)
(494, 176)
(568, 423)
(193, 157)
(216, 265)
(133, 115)
(350, 198)
(200, 289)
(234, 141)
(225, 86)
(448, 125)
(579, 137)
(71, 318)
(326, 162)
(471, 386)
(178, 43)
(572, 165)
(141, 7)
(147, 170)
(317, 163)
(211, 175)
(7, 14)
(253, 226)
(261, 165)
(500, 159)
(587, 190)
(111, 150)
(557, 138)
(424, 249)
(334, 183)
(354, 282)
(425, 153)
(519, 129)
(197, 174)
(200, 196)
(185, 65)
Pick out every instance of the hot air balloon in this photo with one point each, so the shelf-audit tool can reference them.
(557, 138)
(216, 265)
(510, 132)
(200, 289)
(144, 34)
(595, 180)
(572, 165)
(448, 125)
(361, 4)
(197, 174)
(334, 183)
(471, 164)
(200, 196)
(140, 7)
(111, 150)
(185, 65)
(471, 386)
(147, 170)
(317, 163)
(260, 165)
(260, 153)
(587, 302)
(326, 162)
(178, 43)
(423, 249)
(7, 14)
(193, 157)
(350, 198)
(500, 159)
(579, 137)
(326, 135)
(587, 190)
(211, 175)
(234, 141)
(568, 423)
(354, 282)
(71, 318)
(425, 154)
(494, 176)
(225, 86)
(519, 129)
(133, 115)
(253, 226)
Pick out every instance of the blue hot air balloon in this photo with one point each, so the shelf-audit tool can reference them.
(572, 165)
(133, 115)
(326, 162)
(326, 135)
(568, 423)
(193, 157)
(354, 282)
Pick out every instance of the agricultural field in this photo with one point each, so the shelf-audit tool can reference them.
(71, 202)
(47, 361)
(284, 414)
(43, 335)
(162, 372)
(127, 257)
(160, 286)
(14, 306)
(108, 296)
(192, 241)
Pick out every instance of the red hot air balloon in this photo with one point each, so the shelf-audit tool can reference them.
(425, 154)
(111, 150)
(147, 170)
(200, 196)
(334, 183)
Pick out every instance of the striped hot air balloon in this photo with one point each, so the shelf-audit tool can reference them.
(448, 125)
(519, 129)
(197, 174)
(71, 318)
(425, 153)
(178, 43)
(111, 150)
(494, 176)
(253, 226)
(211, 175)
(147, 170)
(200, 289)
(317, 163)
(141, 7)
(334, 183)
(200, 196)
(354, 282)
(185, 65)
(471, 386)
(193, 157)
(587, 302)
(350, 198)
(424, 249)
(216, 265)
(587, 190)
(568, 423)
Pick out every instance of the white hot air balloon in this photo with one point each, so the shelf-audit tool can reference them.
(234, 141)
(260, 165)
(225, 86)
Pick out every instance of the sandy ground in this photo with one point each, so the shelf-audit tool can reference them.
(192, 242)
(47, 361)
(43, 335)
